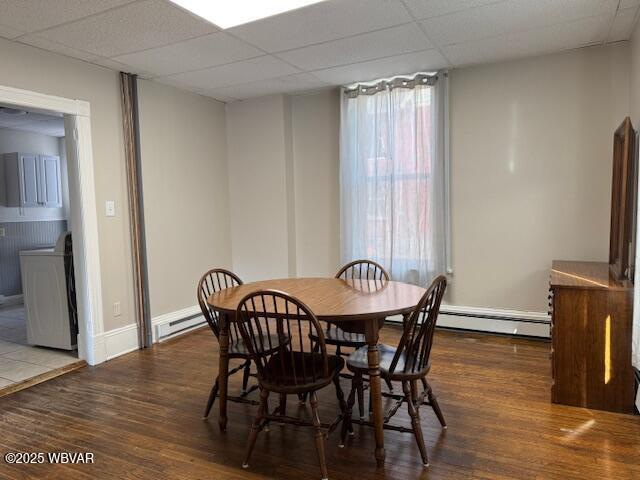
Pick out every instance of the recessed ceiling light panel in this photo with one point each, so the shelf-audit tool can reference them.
(230, 13)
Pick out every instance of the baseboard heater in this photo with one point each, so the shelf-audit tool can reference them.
(505, 322)
(167, 330)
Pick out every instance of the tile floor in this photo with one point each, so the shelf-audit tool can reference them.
(19, 361)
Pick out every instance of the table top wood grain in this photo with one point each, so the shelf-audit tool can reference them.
(332, 298)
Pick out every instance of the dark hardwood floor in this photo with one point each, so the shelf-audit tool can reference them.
(140, 415)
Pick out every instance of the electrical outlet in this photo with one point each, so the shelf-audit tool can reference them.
(117, 309)
(110, 208)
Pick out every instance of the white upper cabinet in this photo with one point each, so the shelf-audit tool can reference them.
(50, 189)
(32, 180)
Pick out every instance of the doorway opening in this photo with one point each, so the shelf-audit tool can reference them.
(38, 307)
(50, 289)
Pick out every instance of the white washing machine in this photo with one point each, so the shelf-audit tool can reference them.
(45, 277)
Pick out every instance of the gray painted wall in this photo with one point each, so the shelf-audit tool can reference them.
(23, 236)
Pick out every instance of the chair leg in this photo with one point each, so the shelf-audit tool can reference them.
(256, 426)
(360, 391)
(302, 398)
(245, 376)
(415, 422)
(212, 398)
(342, 404)
(347, 425)
(414, 390)
(319, 436)
(282, 410)
(434, 403)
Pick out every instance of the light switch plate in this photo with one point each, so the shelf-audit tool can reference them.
(1, 232)
(110, 208)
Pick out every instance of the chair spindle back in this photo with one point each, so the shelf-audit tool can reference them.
(277, 329)
(417, 338)
(211, 282)
(363, 269)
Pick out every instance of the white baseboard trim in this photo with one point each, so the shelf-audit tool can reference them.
(176, 323)
(123, 340)
(116, 342)
(494, 320)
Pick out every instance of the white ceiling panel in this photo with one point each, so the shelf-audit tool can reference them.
(9, 120)
(33, 122)
(134, 27)
(33, 15)
(9, 32)
(427, 60)
(368, 46)
(288, 84)
(46, 44)
(259, 68)
(433, 8)
(333, 42)
(623, 24)
(532, 42)
(121, 67)
(197, 53)
(322, 22)
(53, 127)
(511, 16)
(628, 4)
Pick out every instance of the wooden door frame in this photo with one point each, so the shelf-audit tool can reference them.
(83, 214)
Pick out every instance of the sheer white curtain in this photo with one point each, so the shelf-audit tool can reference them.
(392, 179)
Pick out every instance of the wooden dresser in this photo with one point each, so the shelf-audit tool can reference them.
(591, 320)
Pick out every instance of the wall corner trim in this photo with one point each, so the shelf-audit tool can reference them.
(114, 343)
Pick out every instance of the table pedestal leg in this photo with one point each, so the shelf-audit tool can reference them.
(223, 370)
(371, 335)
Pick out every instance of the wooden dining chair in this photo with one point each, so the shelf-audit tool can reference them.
(336, 334)
(213, 281)
(408, 364)
(276, 329)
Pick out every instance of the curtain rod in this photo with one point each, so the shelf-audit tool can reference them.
(396, 82)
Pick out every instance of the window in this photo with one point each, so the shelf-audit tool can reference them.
(393, 198)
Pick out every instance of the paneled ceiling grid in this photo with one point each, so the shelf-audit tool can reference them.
(328, 43)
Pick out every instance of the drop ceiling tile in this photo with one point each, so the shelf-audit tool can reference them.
(427, 60)
(53, 127)
(197, 53)
(287, 84)
(33, 15)
(433, 8)
(628, 4)
(121, 67)
(322, 22)
(8, 120)
(9, 32)
(36, 41)
(623, 24)
(511, 16)
(259, 68)
(134, 27)
(538, 41)
(367, 46)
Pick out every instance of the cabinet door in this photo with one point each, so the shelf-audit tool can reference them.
(49, 192)
(28, 177)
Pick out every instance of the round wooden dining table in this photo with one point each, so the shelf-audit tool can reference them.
(359, 305)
